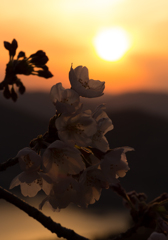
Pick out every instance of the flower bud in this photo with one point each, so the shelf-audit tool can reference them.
(6, 92)
(45, 74)
(21, 54)
(44, 67)
(14, 46)
(2, 85)
(7, 45)
(11, 47)
(22, 88)
(39, 58)
(14, 95)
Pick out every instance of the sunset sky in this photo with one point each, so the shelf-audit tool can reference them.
(66, 29)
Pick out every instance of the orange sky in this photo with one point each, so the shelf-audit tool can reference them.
(65, 30)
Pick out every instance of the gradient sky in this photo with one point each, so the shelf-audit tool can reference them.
(65, 30)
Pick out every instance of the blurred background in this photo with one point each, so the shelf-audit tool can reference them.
(136, 96)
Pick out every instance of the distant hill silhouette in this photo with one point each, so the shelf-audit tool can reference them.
(39, 103)
(136, 127)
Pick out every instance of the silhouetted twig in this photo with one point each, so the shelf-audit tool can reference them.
(10, 162)
(128, 233)
(47, 222)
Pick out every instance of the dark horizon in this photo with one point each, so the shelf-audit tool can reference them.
(40, 104)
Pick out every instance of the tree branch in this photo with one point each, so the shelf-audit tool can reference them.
(128, 233)
(10, 162)
(47, 222)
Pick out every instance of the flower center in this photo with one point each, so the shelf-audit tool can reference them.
(27, 161)
(58, 156)
(84, 83)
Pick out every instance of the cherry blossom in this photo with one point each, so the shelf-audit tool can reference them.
(114, 164)
(104, 124)
(29, 160)
(63, 192)
(30, 183)
(84, 86)
(91, 182)
(59, 157)
(81, 190)
(75, 168)
(65, 100)
(76, 129)
(29, 180)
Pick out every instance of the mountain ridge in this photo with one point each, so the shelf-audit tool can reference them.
(39, 103)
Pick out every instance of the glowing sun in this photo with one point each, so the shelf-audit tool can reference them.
(112, 43)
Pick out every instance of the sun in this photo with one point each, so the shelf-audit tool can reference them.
(112, 43)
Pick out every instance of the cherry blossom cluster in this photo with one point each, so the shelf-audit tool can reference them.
(35, 64)
(75, 167)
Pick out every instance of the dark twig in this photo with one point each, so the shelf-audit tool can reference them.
(47, 222)
(128, 233)
(10, 162)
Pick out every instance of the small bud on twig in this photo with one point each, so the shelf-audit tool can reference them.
(45, 74)
(6, 92)
(14, 95)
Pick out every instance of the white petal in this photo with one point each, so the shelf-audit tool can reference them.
(28, 177)
(56, 92)
(99, 112)
(30, 189)
(82, 73)
(97, 85)
(114, 164)
(100, 143)
(15, 182)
